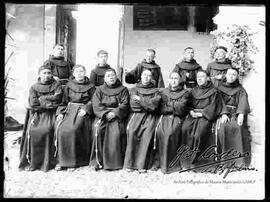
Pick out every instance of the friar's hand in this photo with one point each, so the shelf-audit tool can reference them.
(59, 117)
(224, 118)
(136, 97)
(240, 119)
(56, 78)
(110, 115)
(219, 76)
(199, 114)
(193, 114)
(82, 112)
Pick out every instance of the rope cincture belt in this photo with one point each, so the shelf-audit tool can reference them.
(57, 127)
(96, 142)
(217, 126)
(56, 137)
(28, 137)
(130, 121)
(155, 136)
(231, 106)
(232, 111)
(198, 110)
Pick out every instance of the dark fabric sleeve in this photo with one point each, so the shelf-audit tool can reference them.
(160, 79)
(88, 106)
(208, 69)
(166, 107)
(180, 108)
(176, 69)
(151, 104)
(134, 75)
(213, 110)
(135, 106)
(122, 110)
(224, 108)
(52, 100)
(183, 75)
(93, 77)
(47, 62)
(62, 107)
(99, 109)
(243, 104)
(57, 96)
(54, 72)
(33, 98)
(70, 67)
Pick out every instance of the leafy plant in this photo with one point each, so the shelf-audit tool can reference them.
(7, 79)
(239, 43)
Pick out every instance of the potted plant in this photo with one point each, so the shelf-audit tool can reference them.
(238, 40)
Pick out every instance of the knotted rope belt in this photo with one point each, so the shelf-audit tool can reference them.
(28, 137)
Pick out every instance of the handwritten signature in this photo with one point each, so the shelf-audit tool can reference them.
(222, 162)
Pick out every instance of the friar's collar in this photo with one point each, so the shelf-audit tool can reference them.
(146, 89)
(99, 70)
(226, 61)
(221, 66)
(80, 87)
(59, 61)
(103, 66)
(150, 65)
(203, 91)
(229, 88)
(114, 89)
(57, 58)
(174, 94)
(46, 87)
(188, 65)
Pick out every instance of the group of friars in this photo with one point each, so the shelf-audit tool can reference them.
(74, 120)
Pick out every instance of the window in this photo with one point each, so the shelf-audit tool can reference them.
(173, 17)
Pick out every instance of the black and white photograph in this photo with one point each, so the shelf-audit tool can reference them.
(134, 101)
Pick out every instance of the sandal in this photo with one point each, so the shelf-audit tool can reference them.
(142, 171)
(128, 170)
(58, 168)
(71, 169)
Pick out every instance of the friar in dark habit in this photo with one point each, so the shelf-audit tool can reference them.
(198, 136)
(134, 76)
(61, 68)
(174, 108)
(233, 132)
(188, 68)
(111, 107)
(74, 122)
(37, 148)
(97, 74)
(144, 103)
(217, 69)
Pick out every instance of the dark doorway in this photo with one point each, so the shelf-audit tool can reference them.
(66, 29)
